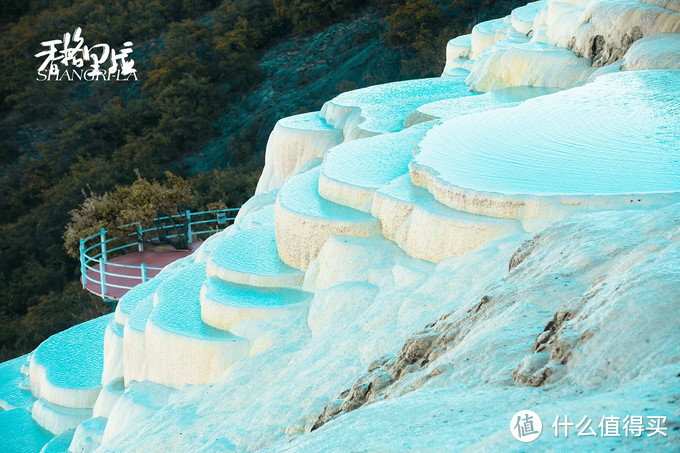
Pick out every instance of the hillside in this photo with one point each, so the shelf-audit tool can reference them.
(214, 77)
(422, 260)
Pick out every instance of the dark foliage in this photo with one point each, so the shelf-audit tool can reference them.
(60, 141)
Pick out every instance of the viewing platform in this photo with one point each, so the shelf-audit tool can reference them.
(112, 264)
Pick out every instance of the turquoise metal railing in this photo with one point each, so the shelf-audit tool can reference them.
(95, 250)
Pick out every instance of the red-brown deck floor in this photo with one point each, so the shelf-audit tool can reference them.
(132, 277)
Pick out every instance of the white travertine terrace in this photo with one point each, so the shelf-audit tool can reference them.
(654, 52)
(88, 435)
(135, 363)
(56, 418)
(139, 402)
(294, 141)
(596, 157)
(532, 63)
(428, 230)
(181, 348)
(522, 18)
(451, 108)
(66, 368)
(113, 352)
(305, 220)
(604, 29)
(485, 34)
(353, 171)
(108, 398)
(225, 304)
(457, 53)
(250, 257)
(382, 108)
(575, 109)
(129, 301)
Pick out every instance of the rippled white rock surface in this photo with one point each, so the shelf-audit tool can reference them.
(609, 144)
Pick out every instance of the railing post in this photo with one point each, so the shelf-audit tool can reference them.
(102, 276)
(83, 268)
(140, 237)
(143, 272)
(222, 219)
(102, 242)
(188, 227)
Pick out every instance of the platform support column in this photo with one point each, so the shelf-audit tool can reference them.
(140, 238)
(102, 242)
(83, 268)
(188, 226)
(102, 276)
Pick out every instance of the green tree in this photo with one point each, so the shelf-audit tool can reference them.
(129, 206)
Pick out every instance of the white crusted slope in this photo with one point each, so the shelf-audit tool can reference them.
(654, 52)
(88, 435)
(138, 404)
(485, 34)
(603, 30)
(108, 398)
(181, 348)
(532, 63)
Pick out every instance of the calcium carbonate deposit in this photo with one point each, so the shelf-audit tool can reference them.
(422, 261)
